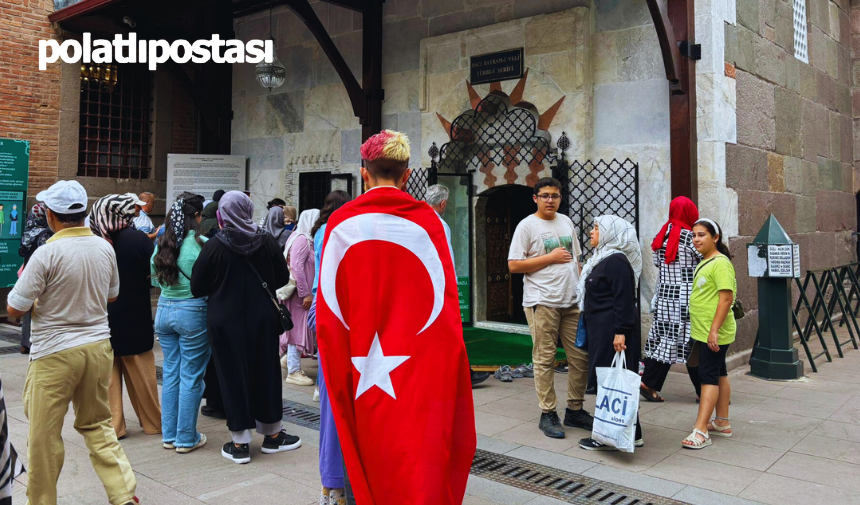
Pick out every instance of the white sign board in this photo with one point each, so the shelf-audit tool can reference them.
(203, 174)
(780, 261)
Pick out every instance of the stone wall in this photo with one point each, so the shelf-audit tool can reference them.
(794, 150)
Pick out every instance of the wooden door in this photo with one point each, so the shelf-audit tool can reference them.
(498, 235)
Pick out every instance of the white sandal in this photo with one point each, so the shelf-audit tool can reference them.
(720, 431)
(695, 443)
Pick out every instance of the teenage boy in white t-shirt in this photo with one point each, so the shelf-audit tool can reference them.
(545, 248)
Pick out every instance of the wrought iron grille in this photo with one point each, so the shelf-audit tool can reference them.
(418, 183)
(495, 134)
(313, 188)
(114, 124)
(595, 189)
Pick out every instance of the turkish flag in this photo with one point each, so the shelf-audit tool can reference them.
(391, 342)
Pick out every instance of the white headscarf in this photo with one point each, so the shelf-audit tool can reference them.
(616, 236)
(306, 223)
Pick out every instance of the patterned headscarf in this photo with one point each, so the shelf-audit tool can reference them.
(617, 235)
(177, 221)
(38, 211)
(111, 214)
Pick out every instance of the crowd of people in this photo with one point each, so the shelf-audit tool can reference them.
(238, 303)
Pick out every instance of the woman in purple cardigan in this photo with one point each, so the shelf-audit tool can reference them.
(299, 253)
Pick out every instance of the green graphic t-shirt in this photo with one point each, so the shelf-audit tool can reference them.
(711, 277)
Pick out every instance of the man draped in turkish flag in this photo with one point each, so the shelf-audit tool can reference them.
(391, 341)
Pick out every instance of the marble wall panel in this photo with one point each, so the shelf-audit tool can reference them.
(628, 113)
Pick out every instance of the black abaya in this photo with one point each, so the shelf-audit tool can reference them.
(243, 326)
(611, 309)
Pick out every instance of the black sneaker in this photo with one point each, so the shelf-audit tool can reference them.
(591, 390)
(589, 444)
(479, 377)
(578, 419)
(550, 425)
(283, 442)
(241, 454)
(562, 368)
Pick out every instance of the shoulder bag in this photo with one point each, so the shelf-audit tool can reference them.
(285, 319)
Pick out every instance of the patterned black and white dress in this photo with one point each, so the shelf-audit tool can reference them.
(669, 337)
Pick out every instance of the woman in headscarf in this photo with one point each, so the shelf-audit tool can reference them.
(239, 270)
(180, 323)
(669, 338)
(273, 224)
(607, 294)
(130, 316)
(299, 253)
(36, 234)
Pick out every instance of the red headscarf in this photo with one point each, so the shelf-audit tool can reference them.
(683, 214)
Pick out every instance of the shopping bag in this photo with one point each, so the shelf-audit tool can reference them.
(617, 405)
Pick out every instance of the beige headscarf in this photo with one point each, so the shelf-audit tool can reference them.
(616, 236)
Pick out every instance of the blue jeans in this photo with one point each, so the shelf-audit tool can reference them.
(181, 329)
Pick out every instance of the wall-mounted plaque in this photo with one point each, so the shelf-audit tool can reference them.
(500, 66)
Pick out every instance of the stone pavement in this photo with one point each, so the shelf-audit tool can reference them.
(794, 443)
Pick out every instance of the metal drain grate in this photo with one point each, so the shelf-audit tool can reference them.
(301, 414)
(565, 486)
(13, 337)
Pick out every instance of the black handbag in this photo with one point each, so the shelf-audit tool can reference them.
(285, 319)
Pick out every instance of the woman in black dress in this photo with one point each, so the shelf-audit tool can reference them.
(243, 325)
(607, 295)
(130, 316)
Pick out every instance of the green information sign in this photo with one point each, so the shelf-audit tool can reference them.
(463, 290)
(14, 171)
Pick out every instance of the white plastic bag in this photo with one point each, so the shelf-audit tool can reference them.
(617, 405)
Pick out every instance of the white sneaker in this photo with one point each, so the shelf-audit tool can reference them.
(299, 379)
(317, 394)
(284, 362)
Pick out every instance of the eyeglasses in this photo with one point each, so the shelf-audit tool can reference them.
(550, 196)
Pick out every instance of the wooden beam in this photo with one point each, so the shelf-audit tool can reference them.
(682, 106)
(668, 39)
(371, 61)
(308, 15)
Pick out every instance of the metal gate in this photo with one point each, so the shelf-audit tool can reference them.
(597, 188)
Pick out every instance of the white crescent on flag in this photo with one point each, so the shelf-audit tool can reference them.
(387, 228)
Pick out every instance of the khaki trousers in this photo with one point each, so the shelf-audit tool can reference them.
(549, 327)
(142, 384)
(79, 375)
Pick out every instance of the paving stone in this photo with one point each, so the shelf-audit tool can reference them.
(778, 490)
(654, 485)
(699, 496)
(552, 459)
(719, 477)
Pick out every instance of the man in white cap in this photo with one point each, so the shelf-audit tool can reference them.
(68, 283)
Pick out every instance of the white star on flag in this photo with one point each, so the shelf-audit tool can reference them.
(375, 369)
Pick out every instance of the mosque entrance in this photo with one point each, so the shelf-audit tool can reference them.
(505, 207)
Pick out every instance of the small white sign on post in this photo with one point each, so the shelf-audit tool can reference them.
(780, 262)
(203, 174)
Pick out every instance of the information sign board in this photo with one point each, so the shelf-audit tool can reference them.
(203, 174)
(14, 172)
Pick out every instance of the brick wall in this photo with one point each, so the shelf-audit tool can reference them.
(794, 150)
(29, 98)
(184, 122)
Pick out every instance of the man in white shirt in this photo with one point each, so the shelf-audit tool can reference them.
(68, 283)
(437, 198)
(546, 249)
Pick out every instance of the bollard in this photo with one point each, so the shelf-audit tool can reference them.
(774, 259)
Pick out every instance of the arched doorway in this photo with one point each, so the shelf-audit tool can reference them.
(505, 207)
